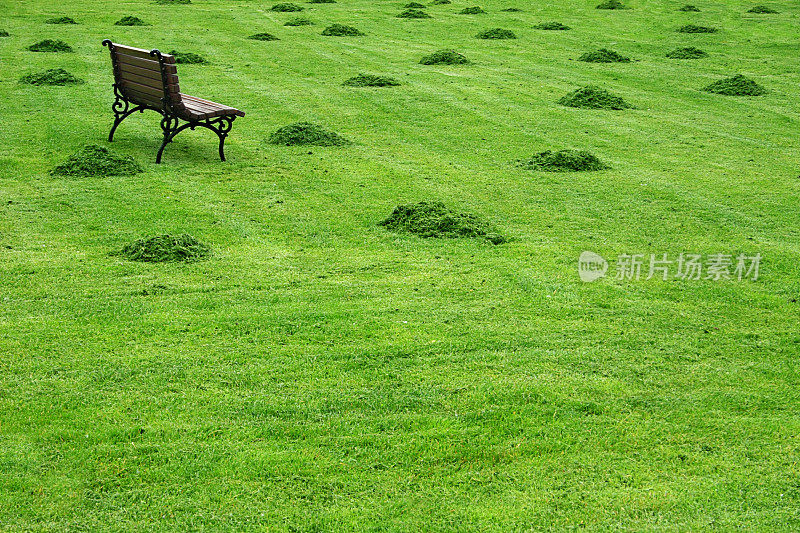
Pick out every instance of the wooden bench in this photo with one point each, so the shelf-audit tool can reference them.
(149, 80)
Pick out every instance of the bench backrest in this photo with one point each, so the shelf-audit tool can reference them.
(147, 78)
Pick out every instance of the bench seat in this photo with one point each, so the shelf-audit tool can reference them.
(199, 109)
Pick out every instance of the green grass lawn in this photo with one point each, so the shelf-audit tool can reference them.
(319, 373)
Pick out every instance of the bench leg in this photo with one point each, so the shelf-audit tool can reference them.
(117, 122)
(169, 125)
(161, 151)
(220, 125)
(122, 110)
(119, 118)
(222, 147)
(225, 126)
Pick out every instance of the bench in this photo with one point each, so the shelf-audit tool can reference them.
(149, 80)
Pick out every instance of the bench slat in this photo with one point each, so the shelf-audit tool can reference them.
(228, 110)
(154, 91)
(151, 96)
(191, 102)
(141, 53)
(145, 63)
(210, 111)
(146, 73)
(191, 112)
(145, 99)
(126, 77)
(200, 109)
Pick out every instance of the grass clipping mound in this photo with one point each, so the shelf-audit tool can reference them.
(53, 76)
(60, 20)
(371, 80)
(686, 53)
(444, 57)
(612, 4)
(592, 97)
(286, 7)
(97, 161)
(564, 161)
(688, 8)
(165, 248)
(433, 219)
(263, 37)
(475, 10)
(188, 58)
(342, 30)
(551, 26)
(764, 10)
(497, 33)
(736, 86)
(50, 45)
(306, 133)
(604, 55)
(413, 14)
(694, 28)
(130, 20)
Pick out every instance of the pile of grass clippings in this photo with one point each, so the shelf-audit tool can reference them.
(434, 220)
(165, 249)
(441, 2)
(298, 21)
(415, 5)
(60, 20)
(444, 57)
(306, 133)
(188, 58)
(764, 10)
(130, 21)
(612, 4)
(4, 33)
(263, 37)
(286, 7)
(50, 45)
(551, 26)
(564, 161)
(97, 161)
(694, 28)
(339, 30)
(171, 2)
(475, 10)
(689, 52)
(53, 76)
(497, 33)
(592, 97)
(604, 55)
(371, 80)
(688, 8)
(512, 10)
(738, 85)
(321, 1)
(413, 14)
